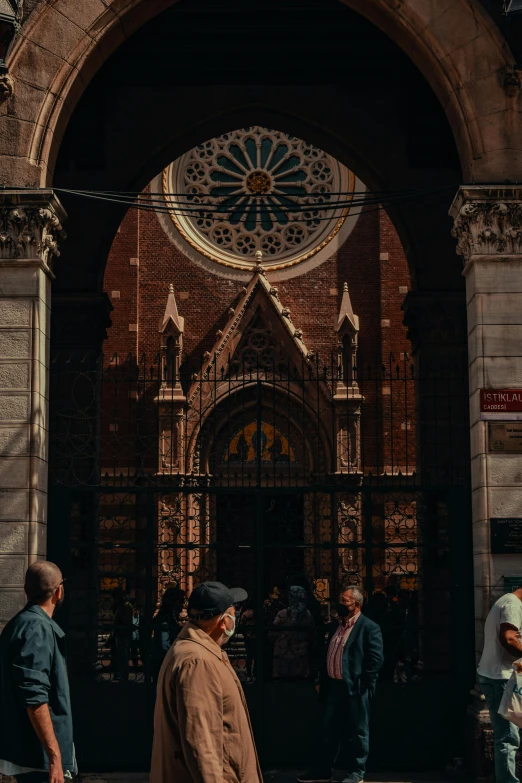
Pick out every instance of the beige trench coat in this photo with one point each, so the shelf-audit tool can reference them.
(202, 731)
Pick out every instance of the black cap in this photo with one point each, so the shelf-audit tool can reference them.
(212, 598)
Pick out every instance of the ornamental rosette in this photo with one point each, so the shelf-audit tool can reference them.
(257, 190)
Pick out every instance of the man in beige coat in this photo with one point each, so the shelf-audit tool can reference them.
(202, 731)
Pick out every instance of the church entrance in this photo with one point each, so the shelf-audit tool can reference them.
(282, 517)
(289, 482)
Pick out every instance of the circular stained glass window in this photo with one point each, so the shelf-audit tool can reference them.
(258, 189)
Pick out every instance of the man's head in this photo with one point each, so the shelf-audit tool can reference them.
(351, 600)
(44, 583)
(211, 607)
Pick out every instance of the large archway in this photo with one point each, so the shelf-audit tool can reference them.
(349, 503)
(444, 43)
(114, 102)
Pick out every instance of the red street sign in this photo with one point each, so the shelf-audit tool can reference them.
(499, 400)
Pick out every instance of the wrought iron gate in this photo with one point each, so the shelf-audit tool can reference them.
(269, 478)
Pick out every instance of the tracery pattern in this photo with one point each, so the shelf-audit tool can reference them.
(267, 189)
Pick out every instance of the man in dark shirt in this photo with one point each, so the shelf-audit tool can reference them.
(36, 743)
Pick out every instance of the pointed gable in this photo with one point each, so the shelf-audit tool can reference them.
(346, 318)
(172, 320)
(258, 312)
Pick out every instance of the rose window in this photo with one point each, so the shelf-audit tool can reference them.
(257, 189)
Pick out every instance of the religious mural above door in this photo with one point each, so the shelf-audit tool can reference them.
(275, 447)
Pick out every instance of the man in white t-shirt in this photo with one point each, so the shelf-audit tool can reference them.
(502, 646)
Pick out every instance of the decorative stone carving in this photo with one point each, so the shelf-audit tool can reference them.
(266, 354)
(488, 221)
(347, 397)
(171, 399)
(6, 87)
(246, 183)
(347, 328)
(259, 350)
(30, 225)
(348, 439)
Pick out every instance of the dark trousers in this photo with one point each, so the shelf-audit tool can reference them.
(346, 721)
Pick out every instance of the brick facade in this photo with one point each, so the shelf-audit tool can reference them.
(143, 261)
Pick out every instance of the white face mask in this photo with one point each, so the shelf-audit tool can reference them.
(230, 634)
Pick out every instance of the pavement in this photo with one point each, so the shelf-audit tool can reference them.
(270, 776)
(274, 776)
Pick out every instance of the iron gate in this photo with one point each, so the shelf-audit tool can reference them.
(268, 478)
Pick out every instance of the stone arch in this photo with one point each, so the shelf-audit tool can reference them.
(71, 42)
(211, 427)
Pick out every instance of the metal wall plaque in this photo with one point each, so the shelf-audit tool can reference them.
(506, 535)
(501, 404)
(506, 437)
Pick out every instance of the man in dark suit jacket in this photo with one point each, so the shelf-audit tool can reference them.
(353, 659)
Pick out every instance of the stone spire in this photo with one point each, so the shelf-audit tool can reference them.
(171, 399)
(346, 316)
(171, 317)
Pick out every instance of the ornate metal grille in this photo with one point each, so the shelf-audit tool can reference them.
(266, 477)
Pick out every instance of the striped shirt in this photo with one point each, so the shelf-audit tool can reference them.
(334, 658)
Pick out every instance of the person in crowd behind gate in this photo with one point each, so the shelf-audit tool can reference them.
(353, 660)
(247, 623)
(312, 604)
(123, 632)
(202, 732)
(36, 732)
(292, 646)
(502, 645)
(166, 625)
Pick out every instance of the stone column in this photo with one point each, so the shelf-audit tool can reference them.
(29, 232)
(488, 228)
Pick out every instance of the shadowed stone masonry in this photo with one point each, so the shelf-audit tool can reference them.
(30, 226)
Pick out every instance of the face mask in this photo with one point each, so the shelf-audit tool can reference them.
(342, 610)
(230, 634)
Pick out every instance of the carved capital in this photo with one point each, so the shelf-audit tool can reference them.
(488, 221)
(30, 226)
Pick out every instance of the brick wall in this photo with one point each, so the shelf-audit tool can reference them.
(142, 263)
(371, 261)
